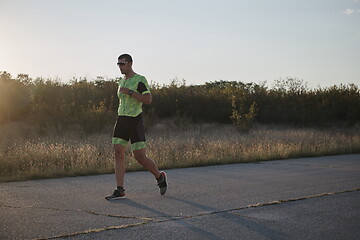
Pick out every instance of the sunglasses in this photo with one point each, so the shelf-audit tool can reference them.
(121, 63)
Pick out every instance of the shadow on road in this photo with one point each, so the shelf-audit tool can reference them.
(237, 219)
(177, 220)
(254, 226)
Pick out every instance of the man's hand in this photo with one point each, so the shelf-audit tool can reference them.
(144, 98)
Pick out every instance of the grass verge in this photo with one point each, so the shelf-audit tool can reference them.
(28, 156)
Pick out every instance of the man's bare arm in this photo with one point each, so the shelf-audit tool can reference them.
(144, 98)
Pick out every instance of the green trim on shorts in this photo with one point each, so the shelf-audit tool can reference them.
(119, 141)
(134, 146)
(138, 146)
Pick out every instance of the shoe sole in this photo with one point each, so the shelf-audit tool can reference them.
(115, 198)
(163, 193)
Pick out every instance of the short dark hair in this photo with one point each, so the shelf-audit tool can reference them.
(125, 56)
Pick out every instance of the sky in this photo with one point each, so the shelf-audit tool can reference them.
(317, 41)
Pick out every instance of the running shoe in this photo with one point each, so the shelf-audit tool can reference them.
(116, 195)
(162, 183)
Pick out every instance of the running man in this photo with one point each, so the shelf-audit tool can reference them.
(133, 91)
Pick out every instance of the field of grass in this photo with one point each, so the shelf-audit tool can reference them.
(24, 154)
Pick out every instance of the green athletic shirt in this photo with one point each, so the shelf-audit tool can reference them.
(128, 105)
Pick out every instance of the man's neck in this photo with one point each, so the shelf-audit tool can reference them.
(129, 75)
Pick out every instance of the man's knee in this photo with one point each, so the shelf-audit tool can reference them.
(141, 159)
(140, 156)
(119, 152)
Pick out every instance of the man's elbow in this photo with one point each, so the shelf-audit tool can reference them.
(148, 101)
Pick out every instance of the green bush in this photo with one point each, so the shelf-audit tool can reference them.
(91, 105)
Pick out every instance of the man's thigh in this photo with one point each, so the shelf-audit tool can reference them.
(119, 150)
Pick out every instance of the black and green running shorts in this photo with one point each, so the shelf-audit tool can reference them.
(130, 128)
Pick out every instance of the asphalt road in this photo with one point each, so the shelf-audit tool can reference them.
(308, 198)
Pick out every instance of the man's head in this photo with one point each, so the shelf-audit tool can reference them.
(125, 63)
(126, 57)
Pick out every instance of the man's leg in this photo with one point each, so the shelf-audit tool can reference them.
(119, 164)
(148, 163)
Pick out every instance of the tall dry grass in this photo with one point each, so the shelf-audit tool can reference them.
(25, 154)
(220, 144)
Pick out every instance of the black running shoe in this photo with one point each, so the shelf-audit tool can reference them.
(162, 183)
(116, 195)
